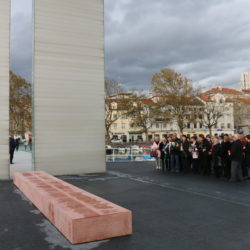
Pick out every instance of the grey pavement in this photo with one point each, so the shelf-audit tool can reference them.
(170, 212)
(22, 162)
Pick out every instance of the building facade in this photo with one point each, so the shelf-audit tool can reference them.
(225, 99)
(245, 81)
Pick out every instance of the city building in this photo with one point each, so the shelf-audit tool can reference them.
(122, 127)
(229, 101)
(245, 81)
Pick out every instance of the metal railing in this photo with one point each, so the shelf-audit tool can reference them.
(121, 154)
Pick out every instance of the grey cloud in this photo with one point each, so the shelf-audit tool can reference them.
(21, 38)
(207, 41)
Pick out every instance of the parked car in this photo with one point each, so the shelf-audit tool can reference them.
(116, 140)
(108, 150)
(136, 149)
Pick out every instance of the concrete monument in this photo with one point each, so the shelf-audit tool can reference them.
(68, 86)
(4, 87)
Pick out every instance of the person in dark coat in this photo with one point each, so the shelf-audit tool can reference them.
(204, 157)
(247, 152)
(12, 146)
(164, 154)
(225, 154)
(185, 154)
(236, 159)
(17, 143)
(194, 151)
(217, 158)
(244, 166)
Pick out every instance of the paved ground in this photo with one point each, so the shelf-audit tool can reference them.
(170, 212)
(22, 162)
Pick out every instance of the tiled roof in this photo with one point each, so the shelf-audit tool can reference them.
(205, 98)
(223, 90)
(243, 100)
(246, 90)
(147, 101)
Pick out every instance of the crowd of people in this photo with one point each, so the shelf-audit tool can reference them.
(222, 155)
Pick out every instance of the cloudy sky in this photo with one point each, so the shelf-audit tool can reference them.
(208, 41)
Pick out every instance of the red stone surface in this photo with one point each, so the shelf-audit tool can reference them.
(80, 216)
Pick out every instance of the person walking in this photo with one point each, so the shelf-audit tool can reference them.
(12, 146)
(236, 159)
(25, 143)
(156, 153)
(30, 142)
(17, 143)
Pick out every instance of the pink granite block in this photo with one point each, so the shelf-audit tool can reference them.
(80, 216)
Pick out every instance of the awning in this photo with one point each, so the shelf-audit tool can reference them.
(135, 133)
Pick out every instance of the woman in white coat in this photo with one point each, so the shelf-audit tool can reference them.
(156, 152)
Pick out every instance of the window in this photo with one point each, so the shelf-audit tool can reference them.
(222, 125)
(229, 125)
(123, 116)
(188, 125)
(123, 125)
(201, 126)
(115, 125)
(157, 125)
(114, 116)
(195, 125)
(164, 125)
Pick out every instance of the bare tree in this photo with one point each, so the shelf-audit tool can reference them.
(176, 96)
(115, 107)
(211, 113)
(143, 112)
(20, 105)
(112, 87)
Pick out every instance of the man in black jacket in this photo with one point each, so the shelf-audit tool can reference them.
(12, 146)
(185, 154)
(226, 161)
(247, 153)
(236, 159)
(204, 148)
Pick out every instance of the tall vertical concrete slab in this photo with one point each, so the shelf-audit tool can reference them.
(4, 87)
(68, 77)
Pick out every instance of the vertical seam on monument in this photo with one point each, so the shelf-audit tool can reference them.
(33, 87)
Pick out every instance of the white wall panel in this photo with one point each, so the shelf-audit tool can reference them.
(4, 87)
(69, 86)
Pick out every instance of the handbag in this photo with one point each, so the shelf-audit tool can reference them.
(153, 153)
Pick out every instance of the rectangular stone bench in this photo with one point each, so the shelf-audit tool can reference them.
(80, 216)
